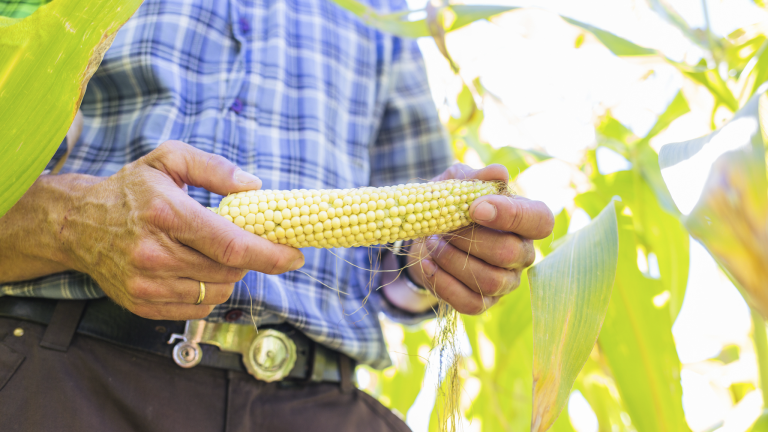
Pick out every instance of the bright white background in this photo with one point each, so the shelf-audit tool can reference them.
(552, 94)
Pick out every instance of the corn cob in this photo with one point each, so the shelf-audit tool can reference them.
(356, 217)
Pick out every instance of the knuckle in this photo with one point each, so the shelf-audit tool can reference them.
(140, 289)
(169, 147)
(500, 284)
(160, 214)
(459, 170)
(445, 253)
(516, 217)
(147, 256)
(217, 161)
(475, 307)
(508, 254)
(233, 275)
(530, 257)
(233, 253)
(278, 264)
(222, 293)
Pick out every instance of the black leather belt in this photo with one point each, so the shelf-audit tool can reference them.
(105, 320)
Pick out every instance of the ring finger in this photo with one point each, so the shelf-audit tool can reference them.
(188, 291)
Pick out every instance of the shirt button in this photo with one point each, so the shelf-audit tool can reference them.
(237, 106)
(245, 27)
(233, 315)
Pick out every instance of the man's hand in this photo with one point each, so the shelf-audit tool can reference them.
(148, 244)
(473, 269)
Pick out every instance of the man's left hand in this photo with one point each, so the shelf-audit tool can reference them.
(472, 269)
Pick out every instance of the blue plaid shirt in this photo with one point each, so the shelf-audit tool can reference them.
(298, 92)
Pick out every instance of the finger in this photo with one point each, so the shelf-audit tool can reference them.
(474, 273)
(528, 218)
(492, 172)
(193, 225)
(187, 291)
(171, 311)
(187, 165)
(176, 290)
(448, 288)
(163, 258)
(497, 248)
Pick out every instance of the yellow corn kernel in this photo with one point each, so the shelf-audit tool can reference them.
(356, 217)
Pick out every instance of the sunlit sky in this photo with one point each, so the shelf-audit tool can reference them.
(550, 93)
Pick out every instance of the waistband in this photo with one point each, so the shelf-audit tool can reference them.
(103, 319)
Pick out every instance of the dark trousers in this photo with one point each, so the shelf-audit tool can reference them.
(98, 386)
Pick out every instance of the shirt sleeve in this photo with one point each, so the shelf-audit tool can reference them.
(411, 146)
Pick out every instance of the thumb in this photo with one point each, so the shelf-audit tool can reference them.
(187, 165)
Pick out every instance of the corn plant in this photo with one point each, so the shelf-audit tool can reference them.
(534, 347)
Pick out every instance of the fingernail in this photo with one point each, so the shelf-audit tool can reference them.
(428, 267)
(484, 212)
(432, 242)
(488, 301)
(247, 179)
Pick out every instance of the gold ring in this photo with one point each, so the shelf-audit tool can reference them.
(202, 293)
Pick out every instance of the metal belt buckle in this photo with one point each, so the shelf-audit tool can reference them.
(268, 355)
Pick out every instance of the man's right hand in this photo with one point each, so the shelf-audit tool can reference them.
(142, 238)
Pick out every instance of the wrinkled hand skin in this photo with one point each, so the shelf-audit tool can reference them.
(471, 271)
(148, 244)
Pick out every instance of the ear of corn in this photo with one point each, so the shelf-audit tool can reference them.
(329, 218)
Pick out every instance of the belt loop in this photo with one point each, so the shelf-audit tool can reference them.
(64, 321)
(318, 364)
(345, 370)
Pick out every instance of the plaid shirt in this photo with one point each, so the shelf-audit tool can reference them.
(298, 92)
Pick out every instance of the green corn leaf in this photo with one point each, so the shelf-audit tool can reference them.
(547, 245)
(562, 424)
(645, 159)
(637, 342)
(467, 14)
(669, 14)
(758, 74)
(502, 351)
(617, 45)
(20, 8)
(517, 160)
(46, 61)
(599, 389)
(675, 109)
(761, 424)
(570, 291)
(658, 232)
(719, 183)
(399, 24)
(711, 79)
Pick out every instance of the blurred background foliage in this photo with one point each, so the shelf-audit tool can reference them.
(576, 99)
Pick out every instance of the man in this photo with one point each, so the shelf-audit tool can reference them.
(193, 97)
